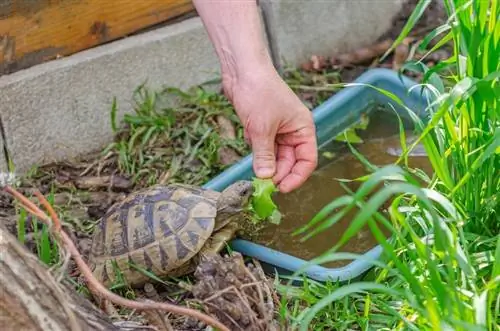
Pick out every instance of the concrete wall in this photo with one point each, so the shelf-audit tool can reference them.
(60, 109)
(298, 29)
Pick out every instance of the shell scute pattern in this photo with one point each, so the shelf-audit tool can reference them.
(171, 218)
(159, 229)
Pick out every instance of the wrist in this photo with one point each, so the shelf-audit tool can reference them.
(242, 75)
(235, 29)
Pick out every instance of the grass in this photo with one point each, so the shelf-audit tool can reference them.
(45, 248)
(172, 136)
(441, 268)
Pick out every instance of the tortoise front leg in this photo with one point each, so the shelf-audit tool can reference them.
(212, 247)
(219, 239)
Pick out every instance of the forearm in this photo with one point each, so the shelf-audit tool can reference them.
(234, 27)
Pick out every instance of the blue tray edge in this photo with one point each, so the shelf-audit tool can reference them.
(418, 99)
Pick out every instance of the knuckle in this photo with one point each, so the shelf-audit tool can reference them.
(264, 155)
(258, 129)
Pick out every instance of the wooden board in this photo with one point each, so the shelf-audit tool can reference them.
(34, 31)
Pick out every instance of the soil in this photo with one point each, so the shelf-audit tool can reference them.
(83, 190)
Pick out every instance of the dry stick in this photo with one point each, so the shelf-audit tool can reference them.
(233, 289)
(259, 292)
(225, 314)
(93, 283)
(271, 294)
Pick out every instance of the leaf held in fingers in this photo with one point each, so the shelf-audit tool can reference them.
(262, 202)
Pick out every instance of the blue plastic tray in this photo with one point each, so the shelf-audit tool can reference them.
(331, 118)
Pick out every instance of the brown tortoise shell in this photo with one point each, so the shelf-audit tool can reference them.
(158, 229)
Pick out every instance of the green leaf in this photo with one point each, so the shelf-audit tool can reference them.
(275, 217)
(349, 136)
(433, 78)
(262, 202)
(114, 109)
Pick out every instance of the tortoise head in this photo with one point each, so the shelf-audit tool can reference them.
(235, 197)
(232, 201)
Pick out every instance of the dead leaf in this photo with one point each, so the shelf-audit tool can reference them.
(226, 127)
(318, 62)
(63, 198)
(400, 55)
(158, 320)
(114, 182)
(363, 54)
(307, 66)
(228, 156)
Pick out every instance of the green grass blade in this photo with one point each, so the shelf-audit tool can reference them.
(496, 265)
(433, 34)
(490, 150)
(410, 23)
(21, 226)
(360, 287)
(45, 253)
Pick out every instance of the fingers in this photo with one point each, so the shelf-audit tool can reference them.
(285, 162)
(264, 156)
(304, 161)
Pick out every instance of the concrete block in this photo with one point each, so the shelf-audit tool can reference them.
(298, 29)
(61, 109)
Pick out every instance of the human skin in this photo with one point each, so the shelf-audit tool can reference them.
(278, 126)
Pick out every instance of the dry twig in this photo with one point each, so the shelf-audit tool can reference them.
(95, 286)
(235, 293)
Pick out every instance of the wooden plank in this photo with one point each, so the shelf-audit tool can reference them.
(34, 31)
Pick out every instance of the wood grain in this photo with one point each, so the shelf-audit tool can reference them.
(31, 299)
(32, 32)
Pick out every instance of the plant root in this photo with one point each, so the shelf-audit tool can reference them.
(94, 285)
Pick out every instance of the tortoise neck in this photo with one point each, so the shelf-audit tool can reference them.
(225, 217)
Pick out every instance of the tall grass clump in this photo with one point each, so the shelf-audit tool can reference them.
(440, 268)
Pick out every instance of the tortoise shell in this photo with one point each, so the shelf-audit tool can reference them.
(158, 229)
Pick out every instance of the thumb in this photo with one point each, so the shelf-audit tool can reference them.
(264, 158)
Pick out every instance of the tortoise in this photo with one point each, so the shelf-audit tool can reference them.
(166, 230)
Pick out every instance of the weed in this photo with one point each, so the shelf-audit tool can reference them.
(46, 248)
(311, 87)
(172, 136)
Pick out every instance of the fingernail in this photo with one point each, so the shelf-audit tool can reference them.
(264, 172)
(284, 188)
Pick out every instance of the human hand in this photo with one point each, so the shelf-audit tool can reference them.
(278, 126)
